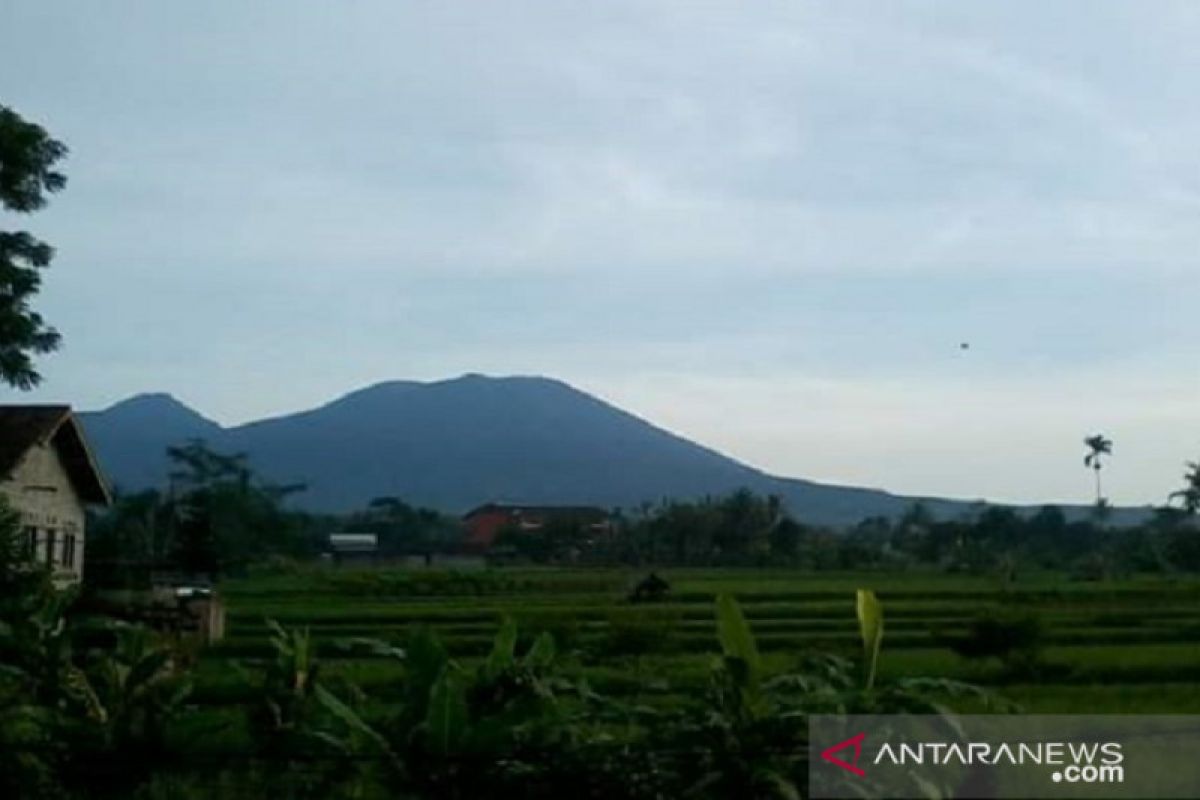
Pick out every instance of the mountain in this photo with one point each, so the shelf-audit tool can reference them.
(458, 443)
(131, 437)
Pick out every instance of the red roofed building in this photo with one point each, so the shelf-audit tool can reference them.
(485, 522)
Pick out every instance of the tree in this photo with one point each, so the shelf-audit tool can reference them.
(1189, 495)
(130, 540)
(746, 521)
(1098, 446)
(404, 529)
(27, 175)
(786, 537)
(1046, 535)
(222, 515)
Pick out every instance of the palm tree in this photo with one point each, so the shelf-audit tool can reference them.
(1189, 495)
(1098, 446)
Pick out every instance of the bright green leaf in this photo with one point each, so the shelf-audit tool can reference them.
(870, 625)
(737, 641)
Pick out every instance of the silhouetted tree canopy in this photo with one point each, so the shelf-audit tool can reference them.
(27, 175)
(1189, 495)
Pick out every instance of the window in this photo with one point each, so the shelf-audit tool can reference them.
(50, 536)
(31, 538)
(68, 554)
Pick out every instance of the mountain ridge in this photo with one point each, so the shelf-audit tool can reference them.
(456, 443)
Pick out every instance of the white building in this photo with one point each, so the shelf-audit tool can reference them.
(49, 475)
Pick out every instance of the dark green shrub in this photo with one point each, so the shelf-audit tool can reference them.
(1014, 638)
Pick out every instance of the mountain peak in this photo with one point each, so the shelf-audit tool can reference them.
(157, 404)
(147, 398)
(131, 437)
(468, 378)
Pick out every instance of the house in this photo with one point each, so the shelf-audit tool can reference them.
(484, 523)
(49, 475)
(352, 548)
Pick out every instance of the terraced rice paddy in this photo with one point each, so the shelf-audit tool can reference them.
(1123, 646)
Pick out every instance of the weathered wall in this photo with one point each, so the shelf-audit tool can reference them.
(41, 490)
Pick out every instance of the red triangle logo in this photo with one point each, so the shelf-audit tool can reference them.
(856, 743)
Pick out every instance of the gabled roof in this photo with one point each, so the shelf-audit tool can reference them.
(23, 427)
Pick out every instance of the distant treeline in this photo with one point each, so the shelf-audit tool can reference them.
(218, 518)
(745, 529)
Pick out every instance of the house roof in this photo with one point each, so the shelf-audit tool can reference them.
(549, 511)
(23, 427)
(353, 542)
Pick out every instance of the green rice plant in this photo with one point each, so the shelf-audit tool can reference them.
(643, 633)
(1016, 640)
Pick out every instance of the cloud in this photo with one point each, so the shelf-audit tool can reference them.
(271, 203)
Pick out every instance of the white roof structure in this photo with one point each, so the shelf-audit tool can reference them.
(353, 542)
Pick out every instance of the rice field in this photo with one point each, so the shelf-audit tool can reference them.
(1124, 646)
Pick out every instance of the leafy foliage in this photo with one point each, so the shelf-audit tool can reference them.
(217, 517)
(747, 530)
(84, 707)
(520, 721)
(224, 517)
(28, 155)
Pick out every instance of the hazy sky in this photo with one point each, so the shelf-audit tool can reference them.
(766, 226)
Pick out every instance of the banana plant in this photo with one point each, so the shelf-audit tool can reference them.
(458, 727)
(739, 742)
(299, 719)
(737, 673)
(35, 637)
(136, 688)
(751, 738)
(122, 699)
(286, 708)
(83, 694)
(501, 704)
